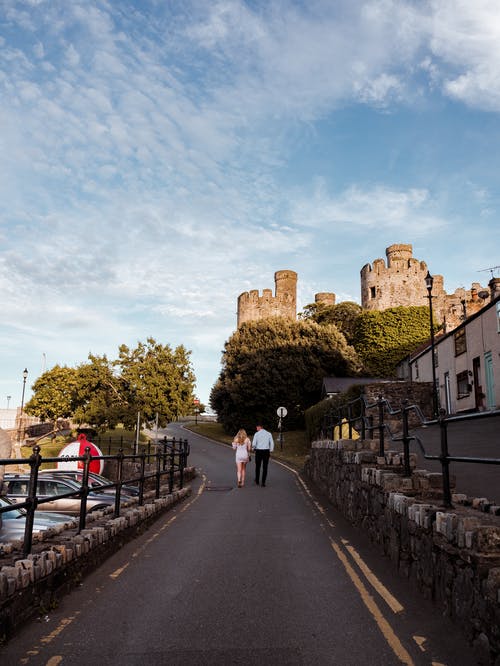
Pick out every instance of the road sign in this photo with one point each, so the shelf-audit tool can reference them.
(281, 412)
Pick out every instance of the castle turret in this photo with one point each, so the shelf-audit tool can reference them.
(252, 307)
(398, 255)
(325, 298)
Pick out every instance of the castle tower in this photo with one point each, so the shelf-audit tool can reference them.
(400, 282)
(325, 298)
(252, 307)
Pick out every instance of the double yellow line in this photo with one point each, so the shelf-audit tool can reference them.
(344, 552)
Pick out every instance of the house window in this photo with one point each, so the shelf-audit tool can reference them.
(460, 341)
(416, 369)
(463, 386)
(372, 292)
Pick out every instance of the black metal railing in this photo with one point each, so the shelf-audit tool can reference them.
(168, 459)
(357, 415)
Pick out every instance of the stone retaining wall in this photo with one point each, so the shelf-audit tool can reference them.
(61, 557)
(451, 556)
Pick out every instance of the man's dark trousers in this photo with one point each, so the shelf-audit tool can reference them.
(261, 458)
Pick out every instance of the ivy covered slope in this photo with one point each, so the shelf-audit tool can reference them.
(382, 339)
(278, 362)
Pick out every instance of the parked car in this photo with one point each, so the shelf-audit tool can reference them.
(13, 522)
(47, 486)
(95, 481)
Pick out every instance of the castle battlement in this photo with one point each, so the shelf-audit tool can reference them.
(252, 306)
(398, 280)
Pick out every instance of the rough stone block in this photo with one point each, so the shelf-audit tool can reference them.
(29, 566)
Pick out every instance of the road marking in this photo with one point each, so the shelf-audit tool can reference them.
(384, 626)
(60, 627)
(420, 641)
(390, 600)
(116, 573)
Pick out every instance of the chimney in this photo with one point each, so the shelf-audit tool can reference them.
(494, 285)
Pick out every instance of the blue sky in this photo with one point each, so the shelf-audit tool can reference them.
(159, 158)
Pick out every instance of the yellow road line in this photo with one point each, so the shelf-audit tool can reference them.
(384, 626)
(390, 600)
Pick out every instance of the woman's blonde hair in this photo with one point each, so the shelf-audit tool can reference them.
(241, 435)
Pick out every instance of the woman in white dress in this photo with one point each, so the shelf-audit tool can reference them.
(242, 446)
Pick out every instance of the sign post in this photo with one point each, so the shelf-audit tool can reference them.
(281, 412)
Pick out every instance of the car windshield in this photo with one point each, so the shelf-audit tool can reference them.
(14, 512)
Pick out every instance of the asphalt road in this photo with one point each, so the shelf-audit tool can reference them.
(242, 576)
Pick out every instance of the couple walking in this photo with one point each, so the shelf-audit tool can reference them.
(262, 443)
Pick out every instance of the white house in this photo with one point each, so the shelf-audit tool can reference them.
(467, 363)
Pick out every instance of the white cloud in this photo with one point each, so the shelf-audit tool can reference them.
(144, 173)
(377, 208)
(466, 38)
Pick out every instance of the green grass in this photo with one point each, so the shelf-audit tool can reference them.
(295, 443)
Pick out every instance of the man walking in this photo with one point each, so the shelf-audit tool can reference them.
(263, 445)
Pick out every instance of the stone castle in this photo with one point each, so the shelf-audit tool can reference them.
(399, 281)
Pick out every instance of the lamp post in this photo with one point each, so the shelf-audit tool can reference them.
(25, 376)
(429, 281)
(8, 400)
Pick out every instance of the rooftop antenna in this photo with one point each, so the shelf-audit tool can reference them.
(491, 270)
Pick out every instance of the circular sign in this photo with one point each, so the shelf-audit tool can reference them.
(281, 412)
(77, 448)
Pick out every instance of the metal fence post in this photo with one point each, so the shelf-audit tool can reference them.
(171, 470)
(445, 463)
(85, 489)
(119, 477)
(406, 439)
(363, 415)
(349, 419)
(165, 453)
(182, 445)
(141, 482)
(158, 472)
(380, 403)
(35, 461)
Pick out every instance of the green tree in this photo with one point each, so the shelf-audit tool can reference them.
(156, 379)
(343, 315)
(277, 362)
(54, 394)
(101, 400)
(151, 379)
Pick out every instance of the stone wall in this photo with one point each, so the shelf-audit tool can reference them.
(451, 556)
(415, 393)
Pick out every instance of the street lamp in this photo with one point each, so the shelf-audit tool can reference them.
(429, 281)
(25, 376)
